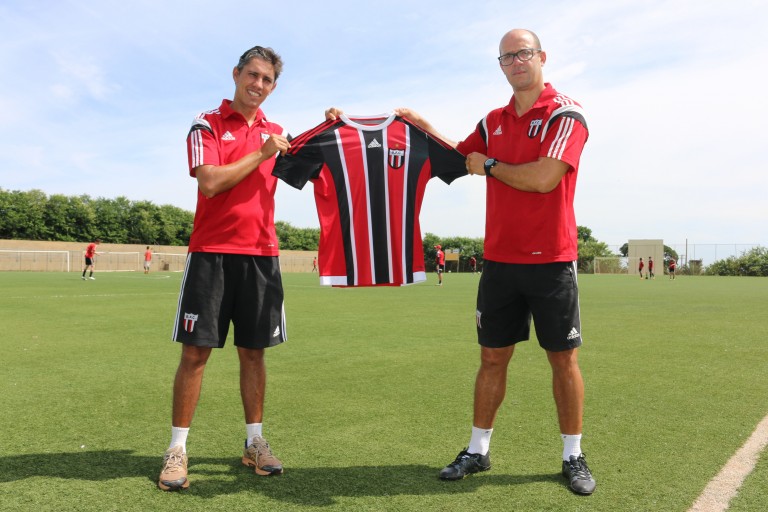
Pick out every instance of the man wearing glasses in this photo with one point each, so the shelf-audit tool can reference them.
(529, 152)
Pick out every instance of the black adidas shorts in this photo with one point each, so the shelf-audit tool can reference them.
(510, 295)
(221, 288)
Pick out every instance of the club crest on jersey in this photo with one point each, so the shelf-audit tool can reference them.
(396, 158)
(264, 137)
(189, 321)
(533, 128)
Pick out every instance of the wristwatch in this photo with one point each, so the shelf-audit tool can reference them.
(488, 165)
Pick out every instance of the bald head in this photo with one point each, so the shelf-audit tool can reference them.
(518, 33)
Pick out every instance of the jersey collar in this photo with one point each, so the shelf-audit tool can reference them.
(542, 101)
(227, 112)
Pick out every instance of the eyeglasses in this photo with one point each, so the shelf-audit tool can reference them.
(523, 55)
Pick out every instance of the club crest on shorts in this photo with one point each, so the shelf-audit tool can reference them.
(189, 321)
(396, 158)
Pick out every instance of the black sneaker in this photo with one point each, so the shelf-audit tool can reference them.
(577, 472)
(465, 464)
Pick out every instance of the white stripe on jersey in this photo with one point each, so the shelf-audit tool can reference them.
(564, 131)
(345, 170)
(565, 108)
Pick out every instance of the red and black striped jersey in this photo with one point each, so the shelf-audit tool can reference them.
(369, 175)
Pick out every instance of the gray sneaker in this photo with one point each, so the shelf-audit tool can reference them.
(466, 464)
(259, 456)
(580, 478)
(173, 476)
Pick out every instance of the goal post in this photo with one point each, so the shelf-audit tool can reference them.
(34, 261)
(611, 265)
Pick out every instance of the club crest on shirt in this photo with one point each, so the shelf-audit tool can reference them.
(264, 137)
(396, 158)
(533, 128)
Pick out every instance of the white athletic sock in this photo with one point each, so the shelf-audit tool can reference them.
(571, 445)
(480, 441)
(179, 437)
(252, 430)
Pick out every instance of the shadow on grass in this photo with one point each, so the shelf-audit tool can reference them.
(211, 477)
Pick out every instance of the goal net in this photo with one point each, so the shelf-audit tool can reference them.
(168, 262)
(34, 261)
(611, 265)
(117, 262)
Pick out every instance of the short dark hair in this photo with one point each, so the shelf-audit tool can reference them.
(264, 53)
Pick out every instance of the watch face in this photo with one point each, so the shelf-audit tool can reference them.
(490, 163)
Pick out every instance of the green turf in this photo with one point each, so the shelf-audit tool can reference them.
(371, 396)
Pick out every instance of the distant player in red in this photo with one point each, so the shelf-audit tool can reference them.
(147, 260)
(672, 266)
(90, 258)
(640, 267)
(232, 273)
(440, 262)
(529, 150)
(314, 264)
(473, 264)
(650, 268)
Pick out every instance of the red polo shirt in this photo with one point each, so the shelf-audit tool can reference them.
(529, 227)
(240, 220)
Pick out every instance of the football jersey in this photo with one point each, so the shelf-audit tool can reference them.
(530, 227)
(239, 220)
(369, 175)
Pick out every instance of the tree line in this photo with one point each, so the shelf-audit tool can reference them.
(33, 215)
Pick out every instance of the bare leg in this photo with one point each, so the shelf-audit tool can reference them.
(491, 384)
(253, 381)
(187, 384)
(568, 388)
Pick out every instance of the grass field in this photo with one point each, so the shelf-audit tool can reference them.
(371, 396)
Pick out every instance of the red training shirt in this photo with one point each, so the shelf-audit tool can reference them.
(241, 219)
(529, 227)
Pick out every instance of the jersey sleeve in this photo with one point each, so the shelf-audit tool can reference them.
(565, 135)
(447, 163)
(304, 160)
(477, 141)
(202, 148)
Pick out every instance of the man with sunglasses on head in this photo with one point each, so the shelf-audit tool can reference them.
(232, 273)
(529, 152)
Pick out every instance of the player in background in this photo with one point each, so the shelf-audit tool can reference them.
(640, 267)
(90, 258)
(650, 268)
(672, 266)
(232, 272)
(439, 264)
(314, 264)
(473, 264)
(147, 260)
(529, 152)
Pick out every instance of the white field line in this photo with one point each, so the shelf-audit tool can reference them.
(722, 489)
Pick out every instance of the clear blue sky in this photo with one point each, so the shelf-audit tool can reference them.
(96, 97)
